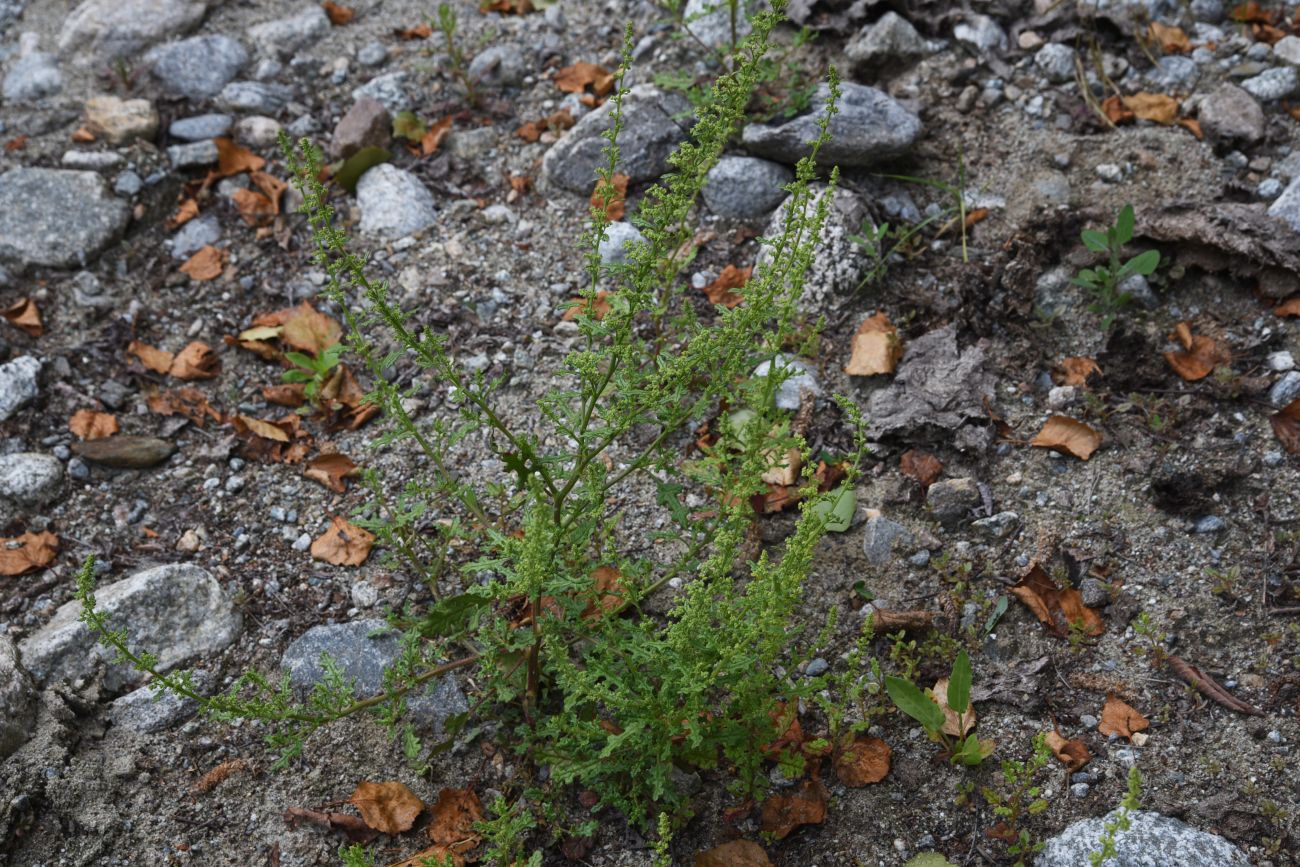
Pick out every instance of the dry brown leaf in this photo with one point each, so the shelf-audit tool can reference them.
(1289, 307)
(1075, 371)
(16, 143)
(722, 290)
(233, 159)
(419, 31)
(349, 826)
(876, 348)
(737, 853)
(1172, 40)
(1155, 107)
(922, 466)
(599, 308)
(82, 135)
(186, 401)
(1208, 687)
(558, 121)
(91, 425)
(884, 620)
(865, 760)
(343, 544)
(255, 208)
(805, 805)
(24, 315)
(507, 7)
(206, 264)
(195, 361)
(453, 820)
(613, 198)
(157, 360)
(309, 330)
(338, 15)
(437, 854)
(434, 135)
(187, 210)
(1192, 125)
(27, 552)
(1055, 608)
(953, 724)
(1118, 718)
(786, 727)
(390, 808)
(330, 470)
(1072, 753)
(1067, 436)
(290, 394)
(1199, 355)
(258, 427)
(1286, 426)
(1116, 113)
(581, 75)
(610, 590)
(271, 186)
(783, 469)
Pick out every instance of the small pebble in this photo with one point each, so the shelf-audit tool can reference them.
(817, 667)
(1079, 790)
(234, 484)
(303, 543)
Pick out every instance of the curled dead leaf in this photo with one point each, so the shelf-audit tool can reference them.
(957, 725)
(1072, 753)
(722, 290)
(233, 159)
(610, 590)
(557, 122)
(1075, 371)
(581, 75)
(338, 15)
(24, 315)
(1289, 307)
(27, 552)
(91, 425)
(157, 360)
(454, 816)
(599, 307)
(255, 208)
(1055, 608)
(612, 198)
(419, 31)
(865, 760)
(433, 136)
(309, 330)
(1286, 426)
(330, 470)
(1199, 355)
(805, 805)
(195, 361)
(1118, 718)
(344, 544)
(1172, 40)
(876, 348)
(922, 466)
(206, 264)
(1067, 436)
(737, 853)
(187, 210)
(187, 401)
(349, 826)
(389, 807)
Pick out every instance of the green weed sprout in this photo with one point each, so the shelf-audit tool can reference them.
(315, 371)
(1104, 280)
(962, 749)
(1120, 822)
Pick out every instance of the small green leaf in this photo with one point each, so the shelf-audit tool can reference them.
(295, 376)
(837, 508)
(1144, 263)
(998, 611)
(1124, 225)
(301, 359)
(357, 165)
(916, 704)
(959, 684)
(408, 126)
(929, 859)
(1095, 241)
(452, 614)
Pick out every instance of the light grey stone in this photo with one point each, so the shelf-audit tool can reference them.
(888, 42)
(951, 500)
(789, 393)
(127, 184)
(18, 384)
(1056, 60)
(390, 89)
(197, 68)
(1280, 361)
(999, 526)
(1287, 50)
(652, 129)
(363, 650)
(194, 235)
(499, 66)
(838, 263)
(33, 77)
(1152, 840)
(1173, 73)
(254, 96)
(258, 131)
(1209, 524)
(394, 203)
(981, 32)
(373, 54)
(178, 612)
(17, 700)
(283, 37)
(101, 30)
(1139, 290)
(882, 536)
(1276, 83)
(200, 127)
(618, 235)
(710, 21)
(30, 478)
(1285, 389)
(871, 127)
(57, 218)
(937, 386)
(1285, 207)
(145, 710)
(1230, 117)
(92, 161)
(745, 188)
(193, 155)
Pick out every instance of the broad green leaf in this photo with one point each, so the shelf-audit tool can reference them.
(357, 165)
(1143, 263)
(1094, 240)
(295, 376)
(929, 859)
(998, 611)
(916, 704)
(301, 359)
(837, 508)
(959, 684)
(406, 125)
(1124, 225)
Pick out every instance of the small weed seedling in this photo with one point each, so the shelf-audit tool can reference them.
(1017, 797)
(446, 23)
(315, 371)
(1104, 280)
(962, 748)
(1120, 822)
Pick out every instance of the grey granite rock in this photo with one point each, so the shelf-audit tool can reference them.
(193, 155)
(34, 76)
(363, 651)
(982, 33)
(745, 188)
(1173, 73)
(950, 500)
(838, 263)
(193, 236)
(1056, 60)
(56, 218)
(1272, 84)
(254, 96)
(653, 126)
(94, 161)
(618, 235)
(30, 478)
(197, 68)
(200, 127)
(1230, 117)
(390, 89)
(1286, 207)
(102, 30)
(882, 536)
(18, 384)
(178, 612)
(394, 203)
(283, 37)
(145, 710)
(366, 124)
(885, 44)
(1152, 840)
(937, 386)
(871, 127)
(17, 700)
(1285, 390)
(789, 393)
(710, 21)
(499, 66)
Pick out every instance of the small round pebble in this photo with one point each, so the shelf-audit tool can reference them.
(303, 543)
(235, 484)
(63, 453)
(78, 470)
(817, 667)
(1079, 790)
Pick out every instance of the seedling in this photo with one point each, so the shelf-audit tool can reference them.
(315, 371)
(1018, 797)
(446, 23)
(1104, 280)
(962, 748)
(1120, 821)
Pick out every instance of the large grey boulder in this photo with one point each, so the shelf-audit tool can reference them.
(56, 218)
(871, 127)
(199, 67)
(710, 20)
(838, 263)
(363, 650)
(744, 188)
(1286, 207)
(101, 30)
(178, 612)
(18, 384)
(17, 700)
(394, 203)
(1152, 840)
(654, 123)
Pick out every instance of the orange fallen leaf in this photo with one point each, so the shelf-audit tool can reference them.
(1192, 125)
(864, 761)
(27, 552)
(343, 544)
(1286, 426)
(419, 31)
(187, 210)
(261, 428)
(1156, 107)
(338, 15)
(16, 143)
(978, 215)
(309, 330)
(454, 816)
(195, 361)
(1199, 355)
(1073, 753)
(434, 135)
(1172, 40)
(922, 466)
(579, 76)
(233, 159)
(157, 360)
(91, 425)
(1075, 371)
(599, 307)
(83, 135)
(186, 401)
(610, 590)
(558, 121)
(255, 208)
(786, 727)
(1118, 718)
(507, 7)
(1057, 609)
(805, 805)
(24, 315)
(876, 348)
(390, 808)
(330, 470)
(271, 186)
(1067, 436)
(1289, 307)
(291, 394)
(206, 264)
(722, 290)
(613, 198)
(737, 853)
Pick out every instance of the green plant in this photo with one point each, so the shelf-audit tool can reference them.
(313, 370)
(961, 747)
(1119, 821)
(446, 24)
(1104, 280)
(1018, 797)
(542, 593)
(506, 833)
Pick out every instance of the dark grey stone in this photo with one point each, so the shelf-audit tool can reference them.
(197, 233)
(1056, 60)
(254, 96)
(1152, 840)
(56, 218)
(200, 127)
(1271, 84)
(197, 68)
(871, 127)
(710, 21)
(951, 500)
(881, 537)
(144, 710)
(887, 43)
(34, 76)
(193, 154)
(499, 66)
(937, 385)
(745, 188)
